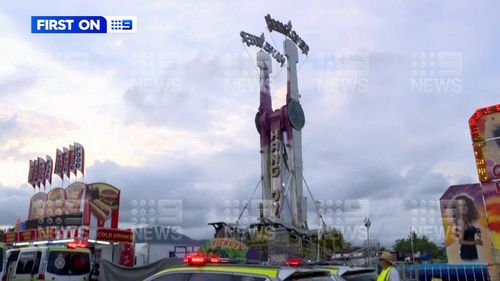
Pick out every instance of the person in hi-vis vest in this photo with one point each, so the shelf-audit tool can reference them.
(389, 272)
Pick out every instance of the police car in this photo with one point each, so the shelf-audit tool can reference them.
(351, 273)
(201, 268)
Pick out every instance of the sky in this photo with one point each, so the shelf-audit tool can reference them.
(168, 113)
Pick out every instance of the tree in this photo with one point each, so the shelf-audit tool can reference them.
(420, 244)
(332, 240)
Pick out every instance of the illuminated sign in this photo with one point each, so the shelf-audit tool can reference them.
(480, 164)
(476, 122)
(274, 25)
(46, 233)
(485, 132)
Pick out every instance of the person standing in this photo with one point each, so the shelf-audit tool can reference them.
(469, 236)
(389, 272)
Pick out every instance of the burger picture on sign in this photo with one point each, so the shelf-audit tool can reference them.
(103, 202)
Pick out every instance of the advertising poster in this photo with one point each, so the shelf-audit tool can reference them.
(95, 205)
(75, 198)
(491, 191)
(37, 206)
(55, 203)
(467, 237)
(58, 207)
(103, 205)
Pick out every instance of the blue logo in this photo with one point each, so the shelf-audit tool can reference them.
(121, 24)
(83, 24)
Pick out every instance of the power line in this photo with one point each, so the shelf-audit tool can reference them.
(274, 45)
(251, 60)
(248, 202)
(314, 200)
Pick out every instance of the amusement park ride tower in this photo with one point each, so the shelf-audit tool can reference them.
(283, 209)
(281, 145)
(280, 131)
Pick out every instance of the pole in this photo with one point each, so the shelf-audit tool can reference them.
(412, 250)
(319, 228)
(368, 223)
(368, 244)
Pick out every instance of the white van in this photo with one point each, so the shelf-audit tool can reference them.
(51, 263)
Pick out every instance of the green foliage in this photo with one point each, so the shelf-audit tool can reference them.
(349, 247)
(420, 244)
(333, 240)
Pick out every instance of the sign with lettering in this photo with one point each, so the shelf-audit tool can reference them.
(224, 248)
(114, 235)
(274, 25)
(252, 40)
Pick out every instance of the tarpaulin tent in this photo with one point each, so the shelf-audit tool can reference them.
(110, 271)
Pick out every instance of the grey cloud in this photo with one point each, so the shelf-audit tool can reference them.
(13, 152)
(8, 126)
(172, 98)
(14, 202)
(16, 84)
(183, 182)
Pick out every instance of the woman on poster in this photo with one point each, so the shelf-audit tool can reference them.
(469, 236)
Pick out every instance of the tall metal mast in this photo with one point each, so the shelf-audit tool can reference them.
(294, 110)
(265, 65)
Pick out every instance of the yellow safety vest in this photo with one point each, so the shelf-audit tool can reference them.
(384, 275)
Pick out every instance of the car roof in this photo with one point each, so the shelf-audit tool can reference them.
(341, 269)
(65, 249)
(252, 269)
(267, 271)
(51, 248)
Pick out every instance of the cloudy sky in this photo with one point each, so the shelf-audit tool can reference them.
(168, 112)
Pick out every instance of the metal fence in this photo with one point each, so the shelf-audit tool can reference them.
(444, 272)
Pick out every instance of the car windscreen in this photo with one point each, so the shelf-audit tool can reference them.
(68, 263)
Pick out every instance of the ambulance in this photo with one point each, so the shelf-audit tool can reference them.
(49, 263)
(2, 259)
